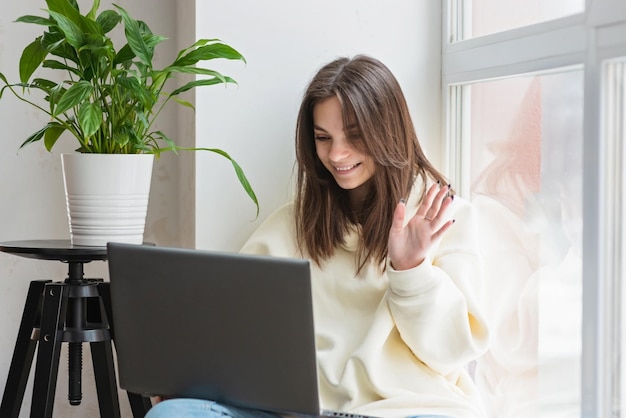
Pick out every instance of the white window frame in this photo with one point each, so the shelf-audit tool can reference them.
(588, 40)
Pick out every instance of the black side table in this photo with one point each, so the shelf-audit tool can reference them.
(76, 310)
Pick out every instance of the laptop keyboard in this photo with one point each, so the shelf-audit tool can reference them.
(341, 414)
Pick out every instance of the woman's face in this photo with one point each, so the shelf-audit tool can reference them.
(334, 145)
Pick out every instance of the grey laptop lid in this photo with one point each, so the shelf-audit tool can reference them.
(229, 327)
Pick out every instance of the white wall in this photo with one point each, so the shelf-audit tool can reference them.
(285, 42)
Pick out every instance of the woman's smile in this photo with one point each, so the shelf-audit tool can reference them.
(335, 148)
(346, 169)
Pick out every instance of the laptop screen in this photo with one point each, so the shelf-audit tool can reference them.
(229, 327)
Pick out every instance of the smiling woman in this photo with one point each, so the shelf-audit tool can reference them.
(388, 264)
(395, 280)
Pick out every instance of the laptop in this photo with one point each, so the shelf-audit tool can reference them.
(229, 327)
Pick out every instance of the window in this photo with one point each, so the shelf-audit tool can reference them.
(483, 17)
(534, 133)
(525, 180)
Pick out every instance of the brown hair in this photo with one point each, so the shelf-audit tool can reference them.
(371, 99)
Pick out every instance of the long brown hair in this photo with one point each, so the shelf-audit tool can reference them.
(372, 99)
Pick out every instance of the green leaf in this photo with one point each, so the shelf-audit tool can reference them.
(135, 91)
(184, 103)
(171, 145)
(198, 83)
(35, 136)
(246, 184)
(196, 70)
(74, 4)
(121, 138)
(69, 9)
(73, 33)
(49, 88)
(108, 20)
(98, 46)
(53, 132)
(55, 93)
(125, 54)
(94, 9)
(158, 80)
(73, 96)
(209, 52)
(31, 58)
(135, 38)
(153, 40)
(144, 29)
(199, 42)
(56, 45)
(37, 20)
(240, 174)
(89, 119)
(52, 38)
(43, 83)
(58, 65)
(90, 26)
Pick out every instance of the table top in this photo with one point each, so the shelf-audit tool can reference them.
(54, 249)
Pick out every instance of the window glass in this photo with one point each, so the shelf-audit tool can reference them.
(526, 183)
(483, 17)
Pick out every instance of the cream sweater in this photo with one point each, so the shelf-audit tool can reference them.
(394, 345)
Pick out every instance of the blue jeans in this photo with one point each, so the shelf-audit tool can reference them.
(196, 408)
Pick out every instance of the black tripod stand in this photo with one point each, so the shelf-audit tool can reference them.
(74, 311)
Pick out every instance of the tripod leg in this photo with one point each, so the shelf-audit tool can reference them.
(102, 355)
(23, 353)
(106, 383)
(139, 405)
(51, 336)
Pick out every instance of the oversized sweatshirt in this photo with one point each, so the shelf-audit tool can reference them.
(394, 343)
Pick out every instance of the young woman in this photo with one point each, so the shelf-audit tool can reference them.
(396, 272)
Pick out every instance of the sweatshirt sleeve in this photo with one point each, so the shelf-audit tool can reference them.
(436, 305)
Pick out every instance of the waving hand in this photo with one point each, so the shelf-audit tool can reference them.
(409, 244)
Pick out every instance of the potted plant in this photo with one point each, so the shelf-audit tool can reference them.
(108, 99)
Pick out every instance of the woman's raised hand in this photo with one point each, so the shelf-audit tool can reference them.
(409, 244)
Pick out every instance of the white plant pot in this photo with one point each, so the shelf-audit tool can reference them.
(107, 197)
